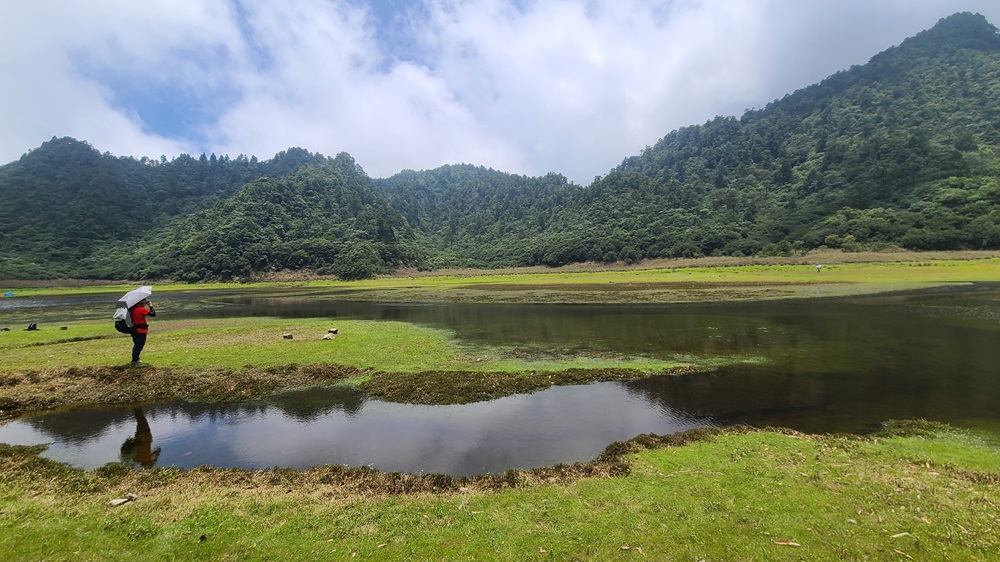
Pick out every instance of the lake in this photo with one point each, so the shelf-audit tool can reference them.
(821, 365)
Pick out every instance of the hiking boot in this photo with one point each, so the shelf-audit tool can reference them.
(138, 364)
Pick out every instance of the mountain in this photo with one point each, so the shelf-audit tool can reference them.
(327, 218)
(64, 200)
(474, 216)
(898, 152)
(901, 151)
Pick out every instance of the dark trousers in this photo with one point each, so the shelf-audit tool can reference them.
(138, 342)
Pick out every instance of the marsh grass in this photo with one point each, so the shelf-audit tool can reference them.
(663, 280)
(239, 359)
(704, 495)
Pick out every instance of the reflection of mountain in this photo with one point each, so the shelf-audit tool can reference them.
(312, 403)
(792, 395)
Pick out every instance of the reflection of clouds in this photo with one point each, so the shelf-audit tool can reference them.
(564, 424)
(558, 425)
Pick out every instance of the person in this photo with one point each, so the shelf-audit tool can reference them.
(140, 328)
(140, 448)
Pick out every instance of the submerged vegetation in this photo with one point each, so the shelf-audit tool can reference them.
(236, 359)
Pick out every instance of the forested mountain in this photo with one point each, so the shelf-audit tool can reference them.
(62, 201)
(476, 217)
(902, 151)
(326, 218)
(898, 152)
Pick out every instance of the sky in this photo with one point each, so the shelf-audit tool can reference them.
(521, 86)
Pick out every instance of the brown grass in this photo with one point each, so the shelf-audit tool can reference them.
(22, 392)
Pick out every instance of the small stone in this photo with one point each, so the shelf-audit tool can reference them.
(329, 336)
(332, 331)
(63, 327)
(123, 501)
(287, 336)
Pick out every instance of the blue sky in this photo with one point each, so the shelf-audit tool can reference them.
(524, 86)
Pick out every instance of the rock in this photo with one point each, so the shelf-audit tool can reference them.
(329, 336)
(63, 327)
(332, 331)
(123, 501)
(287, 336)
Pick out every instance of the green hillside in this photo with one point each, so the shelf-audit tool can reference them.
(326, 218)
(899, 152)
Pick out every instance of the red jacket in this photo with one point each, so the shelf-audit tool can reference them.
(139, 315)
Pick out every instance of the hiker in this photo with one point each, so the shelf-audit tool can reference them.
(140, 328)
(140, 448)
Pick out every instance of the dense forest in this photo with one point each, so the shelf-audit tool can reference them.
(899, 152)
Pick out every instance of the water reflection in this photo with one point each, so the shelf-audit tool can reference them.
(340, 426)
(139, 447)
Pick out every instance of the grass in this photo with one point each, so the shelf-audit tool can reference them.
(680, 280)
(238, 359)
(238, 343)
(724, 495)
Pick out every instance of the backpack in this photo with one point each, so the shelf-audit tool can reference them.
(123, 320)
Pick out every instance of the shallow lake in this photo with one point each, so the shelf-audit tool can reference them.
(823, 365)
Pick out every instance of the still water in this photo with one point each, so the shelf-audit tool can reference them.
(824, 365)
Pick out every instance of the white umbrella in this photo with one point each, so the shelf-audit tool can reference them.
(136, 295)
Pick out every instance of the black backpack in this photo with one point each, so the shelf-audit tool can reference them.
(123, 320)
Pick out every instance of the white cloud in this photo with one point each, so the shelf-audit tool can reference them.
(327, 88)
(48, 51)
(526, 86)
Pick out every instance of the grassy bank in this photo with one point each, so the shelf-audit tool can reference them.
(238, 359)
(725, 495)
(682, 280)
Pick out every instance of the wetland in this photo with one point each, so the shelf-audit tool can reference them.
(461, 379)
(838, 365)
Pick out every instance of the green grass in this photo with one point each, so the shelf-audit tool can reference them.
(746, 278)
(763, 495)
(258, 342)
(244, 358)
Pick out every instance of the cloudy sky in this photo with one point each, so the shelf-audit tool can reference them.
(523, 86)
